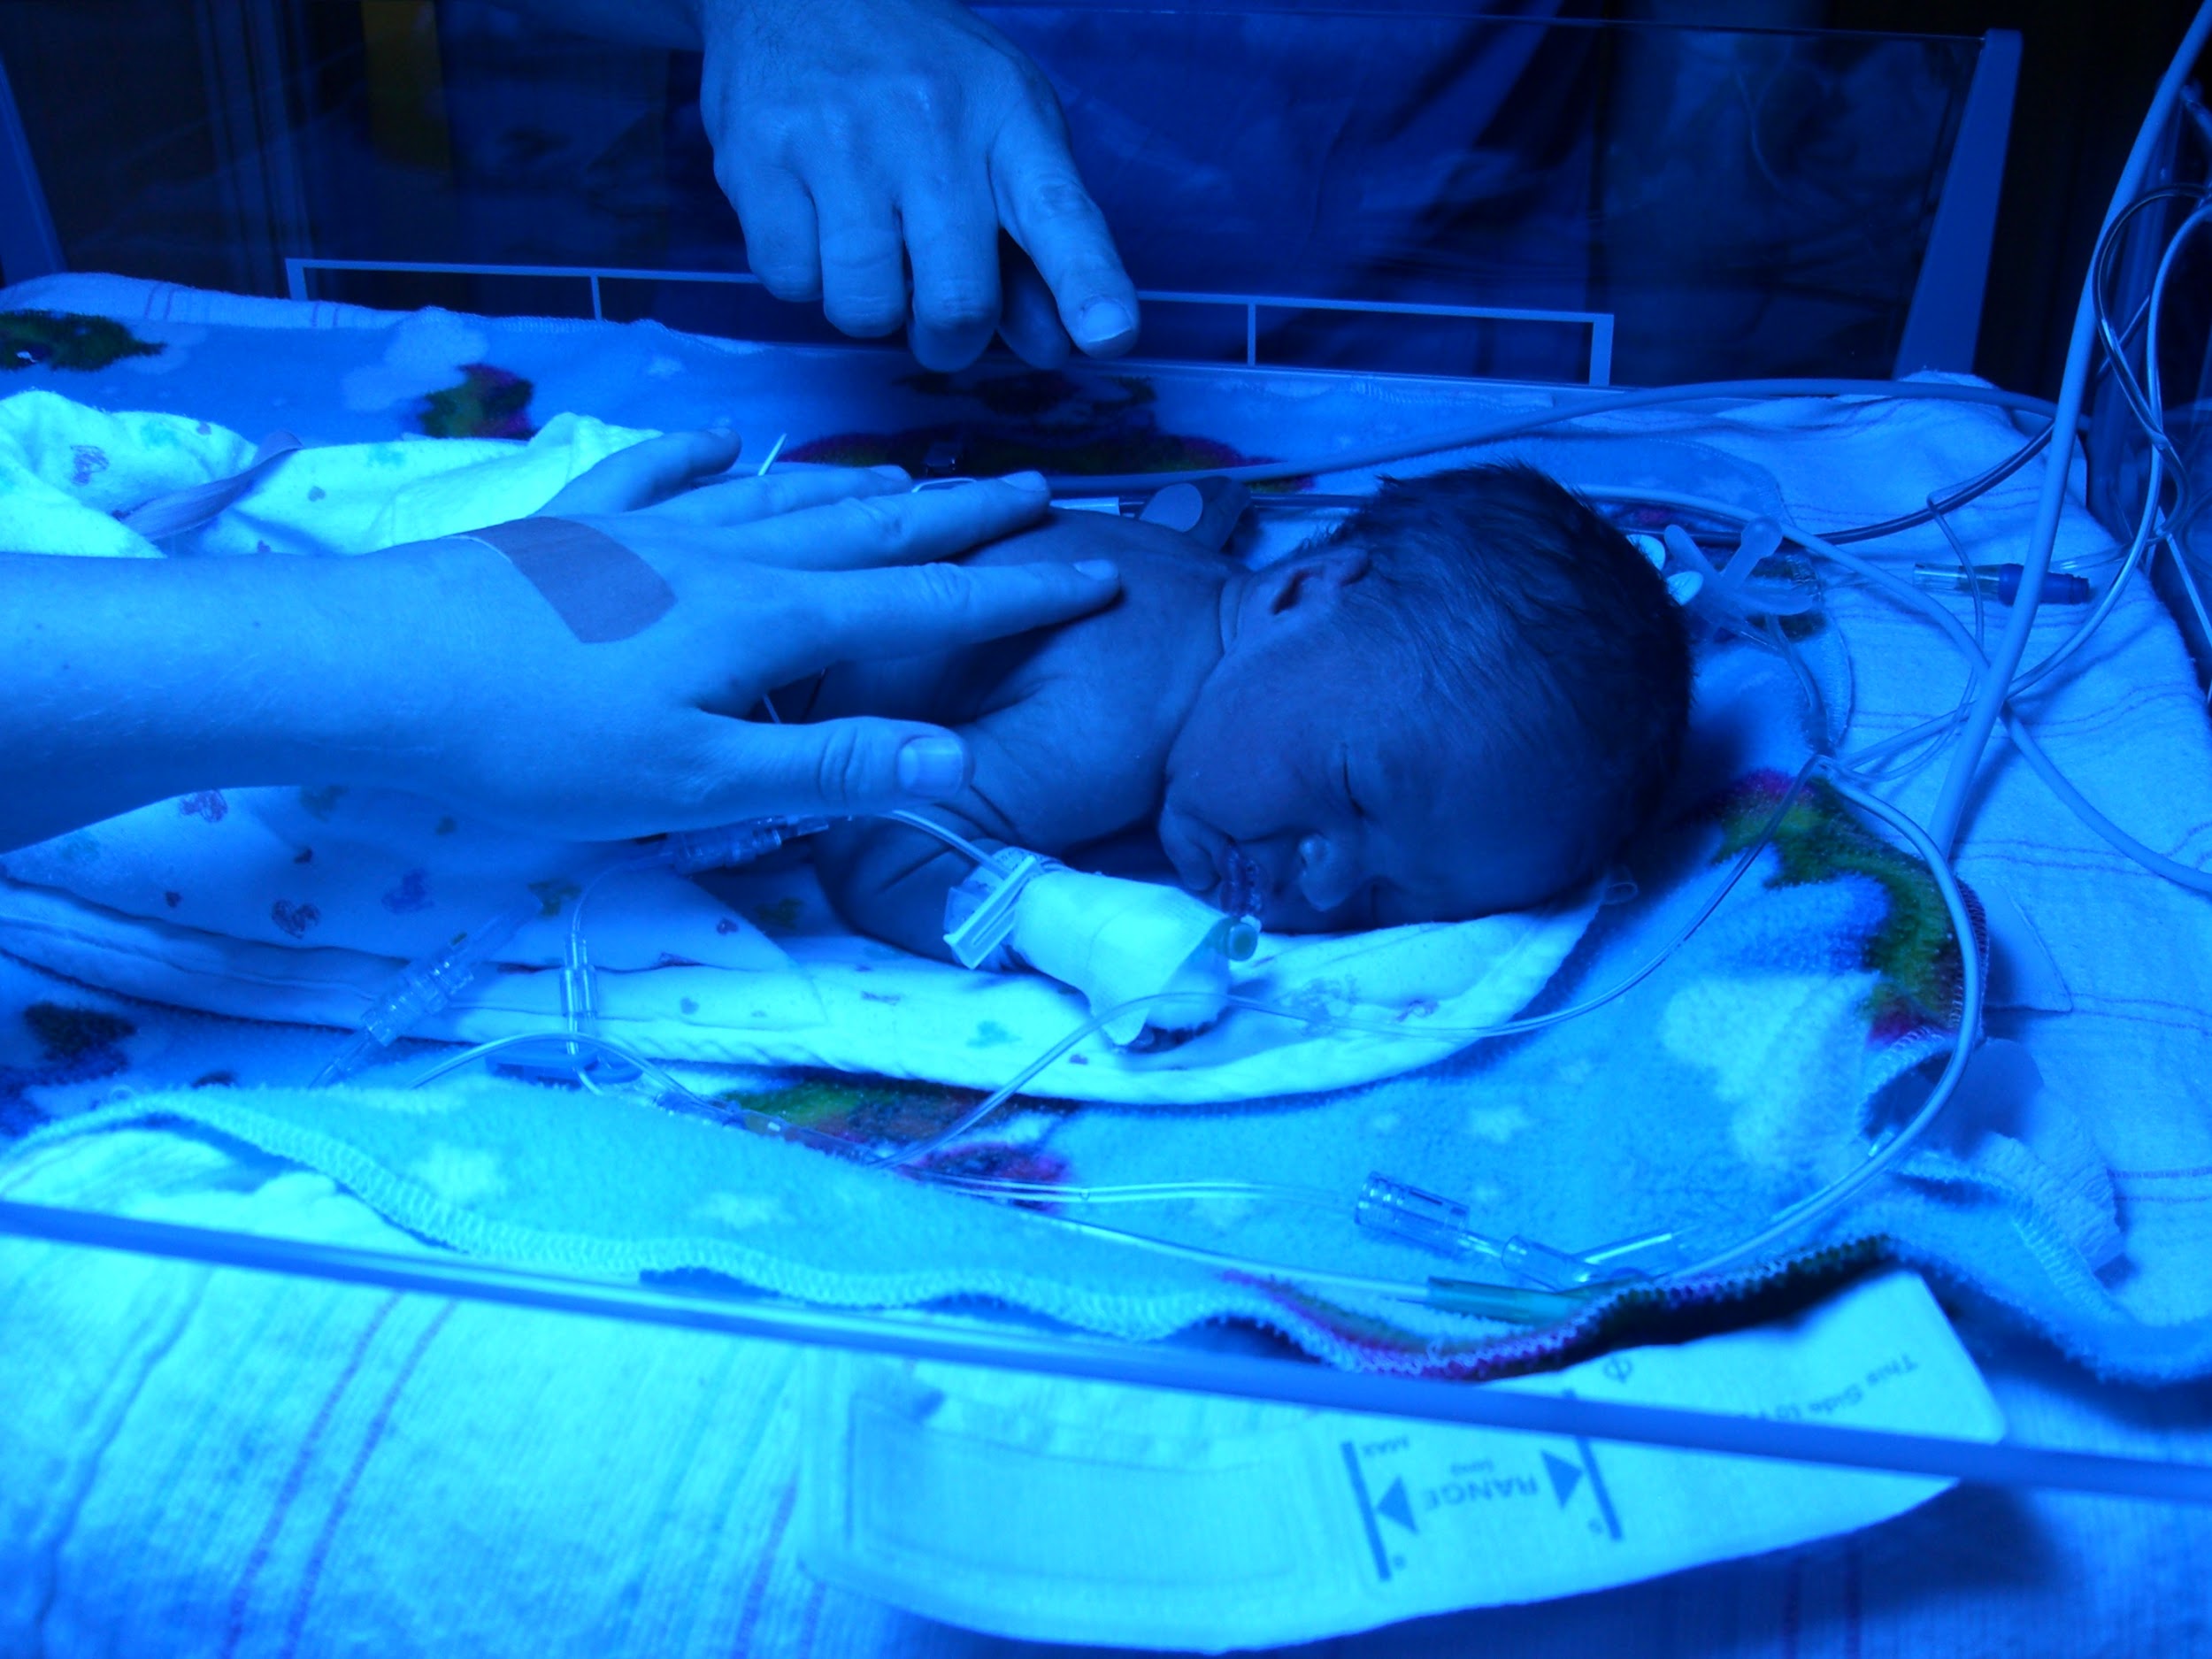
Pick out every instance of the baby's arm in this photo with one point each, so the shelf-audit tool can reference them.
(1030, 789)
(889, 881)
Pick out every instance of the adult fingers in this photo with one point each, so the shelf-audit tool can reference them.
(863, 274)
(646, 473)
(1028, 319)
(834, 768)
(932, 524)
(782, 241)
(741, 500)
(1042, 201)
(952, 243)
(855, 614)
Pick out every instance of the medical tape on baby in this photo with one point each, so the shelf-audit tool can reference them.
(601, 589)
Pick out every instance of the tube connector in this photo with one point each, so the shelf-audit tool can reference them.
(979, 912)
(2002, 582)
(690, 851)
(424, 987)
(1438, 1225)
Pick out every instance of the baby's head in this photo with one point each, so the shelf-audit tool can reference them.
(1462, 700)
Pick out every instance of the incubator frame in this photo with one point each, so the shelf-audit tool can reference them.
(1939, 333)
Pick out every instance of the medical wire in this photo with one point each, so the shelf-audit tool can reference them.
(1596, 404)
(1965, 561)
(1885, 1156)
(1973, 489)
(2015, 726)
(1996, 684)
(2144, 542)
(668, 1089)
(1796, 1216)
(1513, 1303)
(2142, 539)
(2146, 399)
(2114, 339)
(2023, 738)
(1456, 1035)
(1144, 1192)
(2154, 396)
(959, 843)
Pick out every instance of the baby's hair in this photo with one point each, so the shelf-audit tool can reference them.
(1530, 613)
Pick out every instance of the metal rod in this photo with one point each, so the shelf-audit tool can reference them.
(1141, 1365)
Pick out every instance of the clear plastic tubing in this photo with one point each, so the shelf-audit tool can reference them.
(423, 988)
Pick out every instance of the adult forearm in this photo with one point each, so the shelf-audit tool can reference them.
(124, 681)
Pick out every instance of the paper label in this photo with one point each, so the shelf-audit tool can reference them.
(1089, 1512)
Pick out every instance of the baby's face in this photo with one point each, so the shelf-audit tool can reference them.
(1319, 783)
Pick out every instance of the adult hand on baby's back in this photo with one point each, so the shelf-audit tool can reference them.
(766, 580)
(860, 138)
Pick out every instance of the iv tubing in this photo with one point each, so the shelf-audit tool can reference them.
(2154, 393)
(1969, 1017)
(2015, 728)
(1457, 1035)
(1599, 403)
(1996, 685)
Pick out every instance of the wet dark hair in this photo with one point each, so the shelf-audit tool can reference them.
(1538, 620)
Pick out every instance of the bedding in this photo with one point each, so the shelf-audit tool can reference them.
(2064, 1193)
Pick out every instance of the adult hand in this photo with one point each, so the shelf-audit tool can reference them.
(440, 668)
(773, 579)
(860, 138)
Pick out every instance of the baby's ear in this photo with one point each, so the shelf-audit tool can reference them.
(1312, 576)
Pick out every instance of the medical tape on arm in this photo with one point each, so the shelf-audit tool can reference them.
(600, 588)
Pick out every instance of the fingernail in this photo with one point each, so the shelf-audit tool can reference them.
(1099, 569)
(1026, 480)
(1103, 321)
(889, 471)
(932, 766)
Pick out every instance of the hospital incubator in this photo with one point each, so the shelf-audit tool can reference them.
(612, 1232)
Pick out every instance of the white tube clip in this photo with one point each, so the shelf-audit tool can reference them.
(979, 912)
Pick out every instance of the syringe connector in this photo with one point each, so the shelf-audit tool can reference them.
(2001, 583)
(690, 851)
(579, 1000)
(1407, 1213)
(425, 987)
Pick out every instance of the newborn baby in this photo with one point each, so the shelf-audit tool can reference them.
(1462, 699)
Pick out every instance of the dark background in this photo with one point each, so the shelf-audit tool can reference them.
(2087, 70)
(119, 116)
